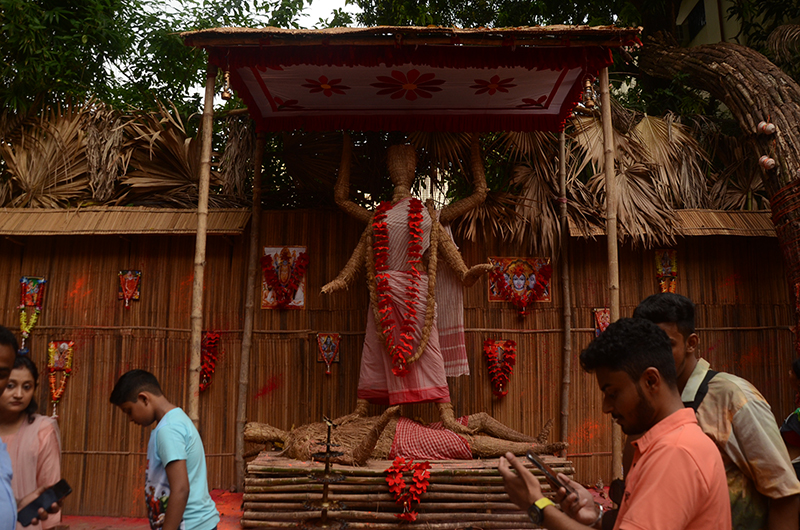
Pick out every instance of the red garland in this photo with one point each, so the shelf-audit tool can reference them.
(397, 484)
(401, 352)
(284, 295)
(500, 371)
(208, 363)
(521, 301)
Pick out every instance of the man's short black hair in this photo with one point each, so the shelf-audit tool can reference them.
(7, 338)
(632, 345)
(131, 383)
(668, 308)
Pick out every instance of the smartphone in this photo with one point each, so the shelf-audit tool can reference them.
(549, 474)
(54, 493)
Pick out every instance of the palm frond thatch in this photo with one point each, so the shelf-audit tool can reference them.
(108, 160)
(47, 163)
(234, 165)
(497, 215)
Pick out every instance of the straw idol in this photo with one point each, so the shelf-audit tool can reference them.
(389, 436)
(415, 331)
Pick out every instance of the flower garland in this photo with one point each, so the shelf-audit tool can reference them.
(59, 359)
(522, 301)
(208, 363)
(500, 370)
(284, 294)
(397, 485)
(377, 257)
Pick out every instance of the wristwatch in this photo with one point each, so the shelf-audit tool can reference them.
(536, 510)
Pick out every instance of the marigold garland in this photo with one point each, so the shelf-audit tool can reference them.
(521, 301)
(378, 280)
(397, 485)
(500, 370)
(208, 363)
(52, 352)
(25, 325)
(284, 295)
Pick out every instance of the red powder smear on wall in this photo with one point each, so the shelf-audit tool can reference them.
(732, 282)
(273, 383)
(750, 360)
(77, 293)
(588, 431)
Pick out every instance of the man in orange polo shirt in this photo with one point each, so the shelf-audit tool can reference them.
(677, 480)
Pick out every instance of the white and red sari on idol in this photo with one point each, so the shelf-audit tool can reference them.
(445, 354)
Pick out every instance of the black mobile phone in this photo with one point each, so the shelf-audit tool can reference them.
(549, 475)
(54, 493)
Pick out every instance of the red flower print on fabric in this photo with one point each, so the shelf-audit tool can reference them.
(537, 103)
(289, 104)
(493, 85)
(327, 86)
(411, 85)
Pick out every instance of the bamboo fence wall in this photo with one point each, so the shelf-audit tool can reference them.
(744, 313)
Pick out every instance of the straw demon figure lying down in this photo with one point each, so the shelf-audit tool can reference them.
(389, 435)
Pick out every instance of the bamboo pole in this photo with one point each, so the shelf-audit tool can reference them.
(611, 233)
(200, 246)
(566, 289)
(249, 310)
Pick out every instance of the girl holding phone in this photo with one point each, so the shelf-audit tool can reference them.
(33, 440)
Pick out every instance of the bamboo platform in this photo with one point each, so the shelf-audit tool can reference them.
(284, 493)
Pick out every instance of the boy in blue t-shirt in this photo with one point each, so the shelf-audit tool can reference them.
(176, 488)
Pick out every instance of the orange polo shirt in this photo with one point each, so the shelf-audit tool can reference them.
(677, 480)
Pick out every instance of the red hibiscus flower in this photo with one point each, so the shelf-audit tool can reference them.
(493, 85)
(327, 86)
(411, 86)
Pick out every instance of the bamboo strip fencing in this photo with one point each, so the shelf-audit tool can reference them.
(465, 493)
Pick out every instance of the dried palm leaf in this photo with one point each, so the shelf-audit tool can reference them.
(167, 163)
(784, 42)
(47, 164)
(641, 213)
(538, 205)
(442, 153)
(108, 160)
(235, 161)
(677, 161)
(497, 215)
(527, 146)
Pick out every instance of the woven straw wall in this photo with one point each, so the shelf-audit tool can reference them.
(738, 283)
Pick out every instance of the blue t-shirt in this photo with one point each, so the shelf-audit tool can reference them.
(8, 504)
(175, 438)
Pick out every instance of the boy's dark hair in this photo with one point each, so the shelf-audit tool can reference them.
(668, 308)
(7, 338)
(796, 368)
(23, 361)
(632, 345)
(131, 383)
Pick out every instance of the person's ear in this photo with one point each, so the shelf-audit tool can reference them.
(143, 397)
(651, 379)
(693, 345)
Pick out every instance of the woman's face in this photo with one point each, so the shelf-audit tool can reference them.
(19, 391)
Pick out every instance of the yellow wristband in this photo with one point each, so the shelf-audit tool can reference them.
(543, 503)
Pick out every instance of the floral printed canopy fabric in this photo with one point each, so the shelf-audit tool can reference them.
(442, 88)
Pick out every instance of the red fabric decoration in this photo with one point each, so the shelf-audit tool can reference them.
(522, 301)
(397, 484)
(402, 351)
(284, 294)
(208, 362)
(500, 369)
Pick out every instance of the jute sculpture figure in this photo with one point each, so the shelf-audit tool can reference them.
(412, 343)
(388, 436)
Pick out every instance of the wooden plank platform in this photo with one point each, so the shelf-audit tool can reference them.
(283, 493)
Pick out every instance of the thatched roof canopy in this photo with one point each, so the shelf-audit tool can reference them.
(411, 78)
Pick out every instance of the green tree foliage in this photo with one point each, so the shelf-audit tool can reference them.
(53, 49)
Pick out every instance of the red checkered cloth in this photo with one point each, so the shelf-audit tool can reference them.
(429, 442)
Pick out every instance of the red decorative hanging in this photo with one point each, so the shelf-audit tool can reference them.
(208, 358)
(397, 485)
(284, 292)
(401, 352)
(328, 344)
(500, 360)
(59, 359)
(129, 281)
